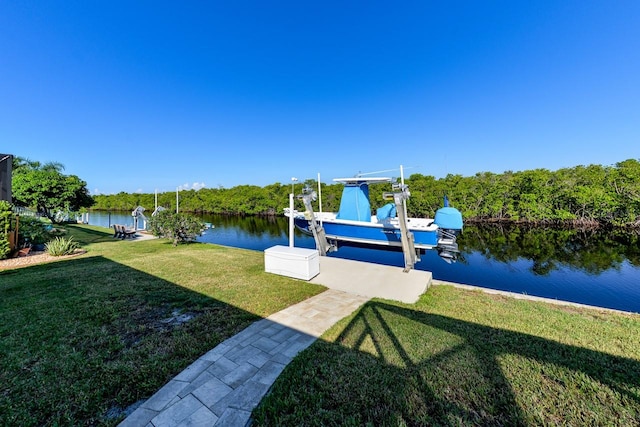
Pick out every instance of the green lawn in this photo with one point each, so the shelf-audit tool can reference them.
(84, 337)
(464, 358)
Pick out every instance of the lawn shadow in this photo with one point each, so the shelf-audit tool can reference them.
(393, 365)
(90, 336)
(472, 357)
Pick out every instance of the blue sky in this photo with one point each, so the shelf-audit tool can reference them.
(142, 95)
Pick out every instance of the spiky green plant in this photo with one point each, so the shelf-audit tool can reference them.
(61, 246)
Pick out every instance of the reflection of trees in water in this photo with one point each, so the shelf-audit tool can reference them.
(256, 226)
(549, 248)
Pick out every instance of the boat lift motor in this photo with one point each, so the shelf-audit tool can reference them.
(400, 195)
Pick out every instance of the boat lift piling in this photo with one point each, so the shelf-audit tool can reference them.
(399, 197)
(322, 243)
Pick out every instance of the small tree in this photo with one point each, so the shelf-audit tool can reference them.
(45, 189)
(178, 227)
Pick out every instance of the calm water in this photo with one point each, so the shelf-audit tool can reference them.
(601, 269)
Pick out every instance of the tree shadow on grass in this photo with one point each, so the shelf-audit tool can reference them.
(397, 366)
(81, 337)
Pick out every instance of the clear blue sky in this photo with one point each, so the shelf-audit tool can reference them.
(143, 95)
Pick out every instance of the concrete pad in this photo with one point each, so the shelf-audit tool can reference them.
(372, 280)
(141, 235)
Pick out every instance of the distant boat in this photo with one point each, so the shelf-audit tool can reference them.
(389, 228)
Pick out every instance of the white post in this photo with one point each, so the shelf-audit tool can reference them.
(291, 220)
(320, 199)
(156, 207)
(177, 189)
(404, 204)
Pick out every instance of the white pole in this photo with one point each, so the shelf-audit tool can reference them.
(156, 208)
(320, 199)
(177, 188)
(291, 195)
(404, 203)
(291, 220)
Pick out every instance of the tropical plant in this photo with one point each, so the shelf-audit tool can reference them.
(32, 231)
(179, 227)
(61, 246)
(5, 227)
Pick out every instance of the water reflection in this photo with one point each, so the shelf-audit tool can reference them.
(253, 225)
(592, 251)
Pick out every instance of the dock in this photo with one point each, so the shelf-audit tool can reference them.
(372, 280)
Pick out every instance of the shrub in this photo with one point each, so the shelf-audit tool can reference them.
(178, 227)
(5, 226)
(5, 247)
(32, 230)
(61, 246)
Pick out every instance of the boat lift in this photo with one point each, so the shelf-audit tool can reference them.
(138, 215)
(322, 243)
(399, 195)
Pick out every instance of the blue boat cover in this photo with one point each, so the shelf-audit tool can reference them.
(449, 218)
(386, 211)
(354, 204)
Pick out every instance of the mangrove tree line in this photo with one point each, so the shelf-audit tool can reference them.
(584, 195)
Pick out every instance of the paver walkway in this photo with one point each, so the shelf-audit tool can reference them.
(222, 387)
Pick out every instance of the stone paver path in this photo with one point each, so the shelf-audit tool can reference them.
(223, 386)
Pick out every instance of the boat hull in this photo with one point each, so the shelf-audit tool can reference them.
(372, 234)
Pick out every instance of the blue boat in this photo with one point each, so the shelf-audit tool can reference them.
(388, 228)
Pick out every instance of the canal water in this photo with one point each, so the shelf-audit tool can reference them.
(588, 267)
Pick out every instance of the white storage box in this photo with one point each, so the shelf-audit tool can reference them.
(298, 263)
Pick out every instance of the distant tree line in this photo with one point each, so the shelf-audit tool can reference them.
(583, 195)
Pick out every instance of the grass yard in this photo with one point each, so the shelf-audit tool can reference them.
(84, 337)
(464, 358)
